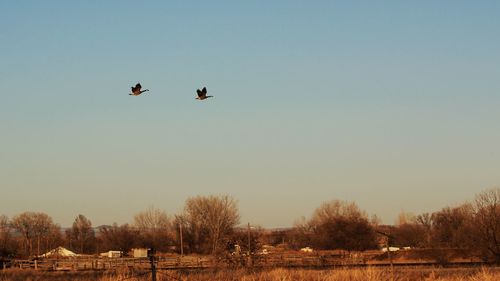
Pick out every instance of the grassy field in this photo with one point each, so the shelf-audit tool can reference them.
(364, 274)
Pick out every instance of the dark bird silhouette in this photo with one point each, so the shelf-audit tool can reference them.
(202, 94)
(137, 90)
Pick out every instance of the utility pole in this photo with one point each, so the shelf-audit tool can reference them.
(38, 246)
(182, 246)
(388, 247)
(249, 247)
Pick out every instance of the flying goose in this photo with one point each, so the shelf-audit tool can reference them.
(202, 94)
(137, 90)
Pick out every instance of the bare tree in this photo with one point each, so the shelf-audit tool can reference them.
(375, 221)
(154, 226)
(425, 222)
(54, 237)
(451, 227)
(34, 227)
(152, 219)
(336, 208)
(301, 234)
(342, 225)
(408, 232)
(405, 218)
(7, 247)
(82, 234)
(4, 226)
(215, 216)
(24, 224)
(43, 224)
(122, 238)
(487, 220)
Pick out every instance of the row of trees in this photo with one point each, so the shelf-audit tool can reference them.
(208, 225)
(341, 225)
(472, 225)
(335, 225)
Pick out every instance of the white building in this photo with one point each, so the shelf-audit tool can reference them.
(112, 254)
(140, 252)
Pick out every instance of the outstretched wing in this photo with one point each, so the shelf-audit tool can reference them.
(138, 86)
(204, 91)
(200, 93)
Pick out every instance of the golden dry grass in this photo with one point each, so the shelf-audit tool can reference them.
(364, 274)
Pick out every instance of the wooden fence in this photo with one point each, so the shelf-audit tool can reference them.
(200, 262)
(111, 263)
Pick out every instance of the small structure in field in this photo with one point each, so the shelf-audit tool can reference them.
(307, 250)
(140, 253)
(392, 249)
(112, 254)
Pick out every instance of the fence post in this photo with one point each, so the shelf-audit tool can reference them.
(151, 255)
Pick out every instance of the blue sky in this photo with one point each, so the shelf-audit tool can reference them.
(391, 104)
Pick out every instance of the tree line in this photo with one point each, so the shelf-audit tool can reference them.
(210, 225)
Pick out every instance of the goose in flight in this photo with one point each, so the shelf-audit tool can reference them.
(137, 90)
(202, 94)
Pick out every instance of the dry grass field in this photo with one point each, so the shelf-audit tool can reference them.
(362, 274)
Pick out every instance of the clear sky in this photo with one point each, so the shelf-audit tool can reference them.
(392, 104)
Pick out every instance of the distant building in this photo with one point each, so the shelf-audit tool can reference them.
(140, 252)
(392, 249)
(112, 254)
